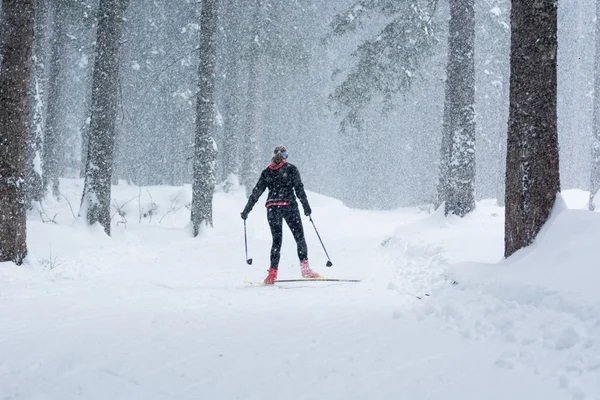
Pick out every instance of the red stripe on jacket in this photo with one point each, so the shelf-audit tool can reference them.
(277, 204)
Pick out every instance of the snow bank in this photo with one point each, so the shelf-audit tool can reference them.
(540, 308)
(564, 257)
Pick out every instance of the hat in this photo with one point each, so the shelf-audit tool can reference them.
(282, 150)
(280, 154)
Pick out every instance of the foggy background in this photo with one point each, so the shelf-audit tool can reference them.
(392, 162)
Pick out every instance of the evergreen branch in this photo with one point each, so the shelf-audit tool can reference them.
(352, 18)
(387, 64)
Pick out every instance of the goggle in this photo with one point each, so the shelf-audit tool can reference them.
(281, 150)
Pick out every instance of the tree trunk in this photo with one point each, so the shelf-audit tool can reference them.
(34, 189)
(204, 146)
(252, 120)
(53, 150)
(446, 147)
(231, 130)
(595, 167)
(97, 188)
(15, 79)
(532, 160)
(85, 127)
(457, 166)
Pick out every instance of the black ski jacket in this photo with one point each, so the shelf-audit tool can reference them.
(282, 180)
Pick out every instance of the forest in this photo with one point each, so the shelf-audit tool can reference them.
(428, 134)
(372, 87)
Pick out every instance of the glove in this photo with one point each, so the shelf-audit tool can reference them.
(244, 214)
(307, 211)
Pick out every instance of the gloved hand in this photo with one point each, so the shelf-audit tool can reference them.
(307, 211)
(244, 214)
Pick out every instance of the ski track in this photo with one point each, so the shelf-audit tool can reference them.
(154, 314)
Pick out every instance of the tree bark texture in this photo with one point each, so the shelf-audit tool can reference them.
(204, 146)
(446, 146)
(532, 160)
(249, 173)
(53, 146)
(15, 80)
(97, 188)
(34, 190)
(230, 154)
(457, 166)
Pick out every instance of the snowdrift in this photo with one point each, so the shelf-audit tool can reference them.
(153, 313)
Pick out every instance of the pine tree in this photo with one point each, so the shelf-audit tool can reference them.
(532, 160)
(253, 115)
(389, 63)
(204, 147)
(457, 166)
(15, 79)
(97, 187)
(232, 129)
(595, 167)
(53, 146)
(34, 185)
(387, 67)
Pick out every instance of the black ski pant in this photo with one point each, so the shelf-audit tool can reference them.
(291, 215)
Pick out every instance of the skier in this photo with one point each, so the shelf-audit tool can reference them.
(282, 179)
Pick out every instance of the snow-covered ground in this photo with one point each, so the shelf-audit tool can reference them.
(152, 313)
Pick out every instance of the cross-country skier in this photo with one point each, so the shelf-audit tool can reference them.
(282, 179)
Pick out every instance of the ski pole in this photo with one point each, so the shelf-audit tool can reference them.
(248, 260)
(329, 263)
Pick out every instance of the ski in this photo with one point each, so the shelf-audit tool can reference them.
(304, 280)
(316, 279)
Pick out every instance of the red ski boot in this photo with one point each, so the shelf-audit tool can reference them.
(272, 277)
(307, 272)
